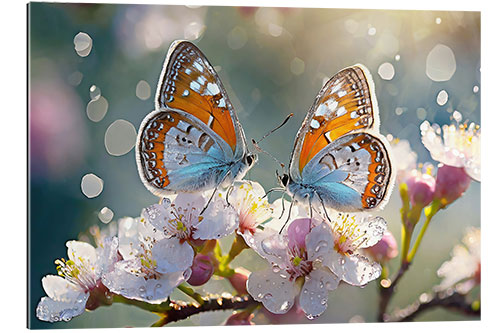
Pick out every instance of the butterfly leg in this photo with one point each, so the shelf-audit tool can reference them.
(289, 214)
(282, 205)
(274, 189)
(213, 193)
(324, 208)
(310, 207)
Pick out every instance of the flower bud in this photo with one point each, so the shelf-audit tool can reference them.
(297, 232)
(451, 183)
(239, 280)
(240, 318)
(385, 250)
(202, 270)
(421, 188)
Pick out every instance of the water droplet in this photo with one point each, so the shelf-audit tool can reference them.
(276, 269)
(268, 296)
(397, 57)
(105, 215)
(97, 109)
(475, 89)
(386, 71)
(441, 63)
(237, 38)
(297, 66)
(120, 137)
(143, 90)
(91, 185)
(94, 92)
(442, 98)
(320, 246)
(83, 44)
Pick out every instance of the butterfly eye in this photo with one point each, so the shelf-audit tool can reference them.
(250, 159)
(284, 180)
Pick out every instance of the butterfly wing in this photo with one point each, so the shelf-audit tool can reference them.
(189, 83)
(338, 150)
(344, 105)
(352, 173)
(178, 152)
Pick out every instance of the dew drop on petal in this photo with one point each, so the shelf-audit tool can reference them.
(120, 137)
(386, 71)
(105, 215)
(83, 44)
(97, 109)
(297, 66)
(91, 185)
(442, 97)
(143, 90)
(441, 63)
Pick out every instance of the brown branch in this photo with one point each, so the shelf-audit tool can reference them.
(180, 310)
(387, 289)
(449, 300)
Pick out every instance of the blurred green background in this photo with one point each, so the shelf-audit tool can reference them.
(272, 61)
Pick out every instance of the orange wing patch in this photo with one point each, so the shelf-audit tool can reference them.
(153, 148)
(379, 169)
(191, 84)
(343, 105)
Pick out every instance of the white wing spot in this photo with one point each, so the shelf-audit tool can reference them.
(341, 111)
(342, 93)
(210, 121)
(213, 89)
(222, 103)
(337, 87)
(195, 86)
(314, 124)
(354, 114)
(202, 80)
(188, 71)
(198, 66)
(185, 93)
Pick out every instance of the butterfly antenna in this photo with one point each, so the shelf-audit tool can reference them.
(260, 150)
(276, 128)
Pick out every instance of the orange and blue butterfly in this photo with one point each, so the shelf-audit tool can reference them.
(193, 141)
(339, 159)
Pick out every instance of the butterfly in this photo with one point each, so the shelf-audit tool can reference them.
(339, 159)
(193, 140)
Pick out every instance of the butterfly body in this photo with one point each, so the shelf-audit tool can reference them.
(193, 141)
(339, 159)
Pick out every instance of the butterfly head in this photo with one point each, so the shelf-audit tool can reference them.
(284, 179)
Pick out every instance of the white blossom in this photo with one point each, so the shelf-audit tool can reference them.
(296, 269)
(463, 270)
(457, 145)
(68, 292)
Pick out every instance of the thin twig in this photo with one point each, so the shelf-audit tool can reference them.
(449, 300)
(181, 310)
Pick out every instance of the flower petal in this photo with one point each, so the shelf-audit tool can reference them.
(107, 254)
(134, 286)
(52, 311)
(82, 253)
(373, 229)
(171, 255)
(274, 290)
(219, 220)
(319, 242)
(60, 289)
(356, 269)
(314, 295)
